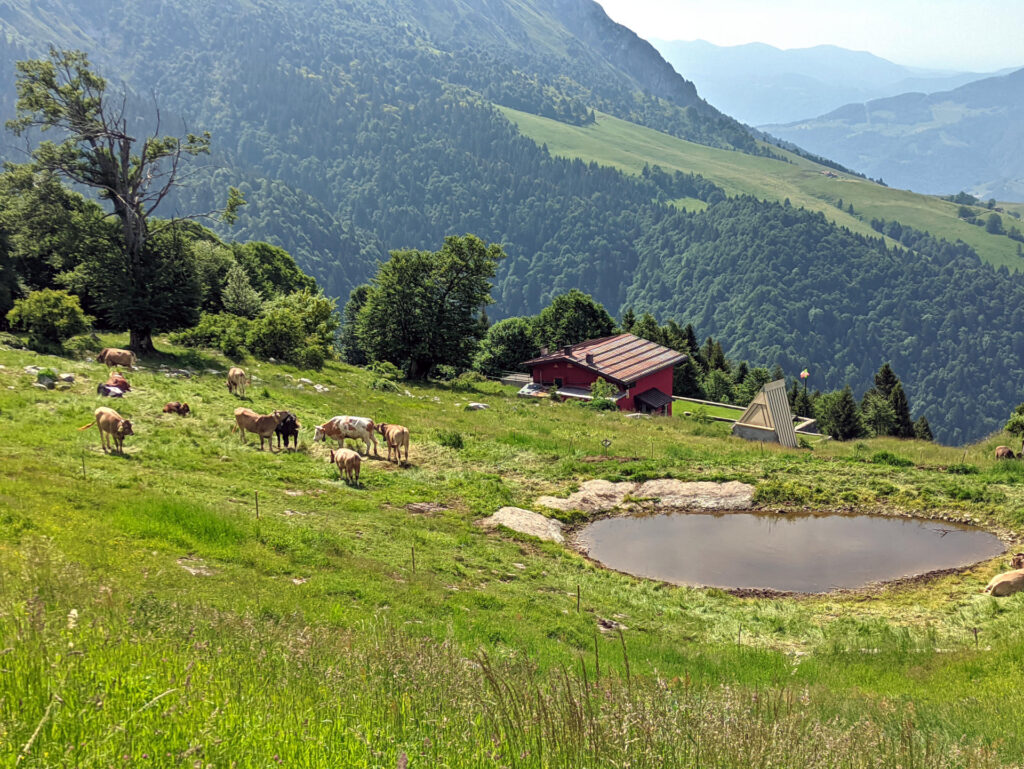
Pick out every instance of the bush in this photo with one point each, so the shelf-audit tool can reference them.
(962, 469)
(384, 385)
(445, 373)
(386, 369)
(450, 438)
(81, 346)
(888, 458)
(10, 340)
(467, 381)
(299, 329)
(601, 404)
(224, 332)
(50, 317)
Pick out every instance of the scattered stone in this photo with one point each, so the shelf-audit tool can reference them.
(271, 360)
(321, 388)
(638, 415)
(525, 522)
(41, 386)
(425, 508)
(66, 377)
(33, 369)
(195, 566)
(300, 580)
(212, 371)
(520, 566)
(292, 513)
(408, 394)
(610, 625)
(294, 492)
(306, 381)
(300, 387)
(476, 406)
(598, 496)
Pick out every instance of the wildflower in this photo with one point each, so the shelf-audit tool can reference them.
(72, 619)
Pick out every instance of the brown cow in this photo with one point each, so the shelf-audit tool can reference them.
(1004, 452)
(116, 379)
(174, 407)
(1017, 561)
(114, 356)
(1007, 583)
(248, 420)
(395, 436)
(349, 461)
(109, 422)
(237, 380)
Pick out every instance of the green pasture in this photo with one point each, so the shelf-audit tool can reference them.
(628, 147)
(149, 617)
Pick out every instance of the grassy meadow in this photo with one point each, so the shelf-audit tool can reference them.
(148, 617)
(628, 147)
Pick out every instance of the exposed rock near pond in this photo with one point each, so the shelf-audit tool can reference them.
(599, 496)
(525, 522)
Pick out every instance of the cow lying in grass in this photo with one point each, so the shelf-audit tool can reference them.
(111, 424)
(116, 379)
(395, 436)
(348, 462)
(248, 421)
(107, 391)
(288, 429)
(174, 407)
(340, 428)
(1007, 583)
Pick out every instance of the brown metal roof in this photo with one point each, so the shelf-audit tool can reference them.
(622, 358)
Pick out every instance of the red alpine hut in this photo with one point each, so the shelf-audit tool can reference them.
(642, 371)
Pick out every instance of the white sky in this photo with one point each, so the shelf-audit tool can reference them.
(937, 34)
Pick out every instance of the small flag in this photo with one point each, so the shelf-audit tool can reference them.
(804, 374)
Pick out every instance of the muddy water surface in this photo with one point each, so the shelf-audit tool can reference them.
(804, 553)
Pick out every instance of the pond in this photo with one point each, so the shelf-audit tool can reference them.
(804, 553)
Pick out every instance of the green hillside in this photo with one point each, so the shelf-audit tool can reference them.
(147, 615)
(629, 147)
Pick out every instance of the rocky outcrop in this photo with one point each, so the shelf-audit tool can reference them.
(600, 496)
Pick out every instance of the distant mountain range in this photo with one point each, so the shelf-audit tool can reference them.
(760, 84)
(969, 138)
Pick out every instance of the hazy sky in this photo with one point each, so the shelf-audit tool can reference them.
(940, 34)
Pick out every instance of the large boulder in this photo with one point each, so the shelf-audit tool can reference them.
(525, 522)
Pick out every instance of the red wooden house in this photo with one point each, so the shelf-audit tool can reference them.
(642, 371)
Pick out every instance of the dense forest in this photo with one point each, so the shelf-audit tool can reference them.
(364, 127)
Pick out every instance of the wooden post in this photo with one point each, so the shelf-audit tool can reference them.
(257, 505)
(597, 659)
(414, 559)
(975, 631)
(577, 599)
(83, 464)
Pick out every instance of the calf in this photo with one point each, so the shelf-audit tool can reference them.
(395, 436)
(112, 424)
(340, 428)
(237, 380)
(264, 426)
(113, 356)
(347, 461)
(1007, 583)
(289, 428)
(174, 407)
(117, 380)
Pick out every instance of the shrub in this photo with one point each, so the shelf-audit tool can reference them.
(601, 404)
(277, 333)
(384, 385)
(450, 438)
(962, 469)
(80, 346)
(385, 369)
(10, 340)
(50, 317)
(467, 381)
(445, 373)
(888, 458)
(224, 332)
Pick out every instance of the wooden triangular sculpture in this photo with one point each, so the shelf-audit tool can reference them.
(769, 415)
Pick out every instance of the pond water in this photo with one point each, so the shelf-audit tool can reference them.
(805, 553)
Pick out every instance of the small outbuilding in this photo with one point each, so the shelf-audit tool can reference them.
(641, 369)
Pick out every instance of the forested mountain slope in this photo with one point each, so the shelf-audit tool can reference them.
(359, 127)
(968, 138)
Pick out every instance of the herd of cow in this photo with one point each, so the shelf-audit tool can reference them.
(115, 428)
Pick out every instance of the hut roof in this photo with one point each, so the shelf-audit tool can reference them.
(622, 358)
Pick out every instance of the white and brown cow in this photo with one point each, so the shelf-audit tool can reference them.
(340, 428)
(248, 421)
(111, 425)
(237, 380)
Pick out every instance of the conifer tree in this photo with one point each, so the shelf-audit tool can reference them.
(922, 430)
(647, 328)
(885, 381)
(903, 427)
(686, 380)
(238, 296)
(628, 320)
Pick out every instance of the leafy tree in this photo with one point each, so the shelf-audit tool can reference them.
(571, 318)
(63, 93)
(751, 384)
(351, 348)
(50, 317)
(422, 307)
(838, 416)
(686, 380)
(647, 328)
(272, 271)
(1015, 425)
(239, 297)
(213, 263)
(717, 386)
(994, 224)
(505, 346)
(319, 322)
(923, 430)
(225, 332)
(877, 414)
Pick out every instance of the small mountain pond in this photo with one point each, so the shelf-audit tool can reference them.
(796, 552)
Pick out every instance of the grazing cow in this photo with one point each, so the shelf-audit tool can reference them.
(174, 407)
(109, 392)
(347, 461)
(1017, 561)
(289, 428)
(114, 356)
(1004, 452)
(237, 380)
(112, 424)
(395, 436)
(1007, 583)
(117, 380)
(340, 428)
(248, 420)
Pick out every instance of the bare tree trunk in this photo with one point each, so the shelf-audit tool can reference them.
(140, 342)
